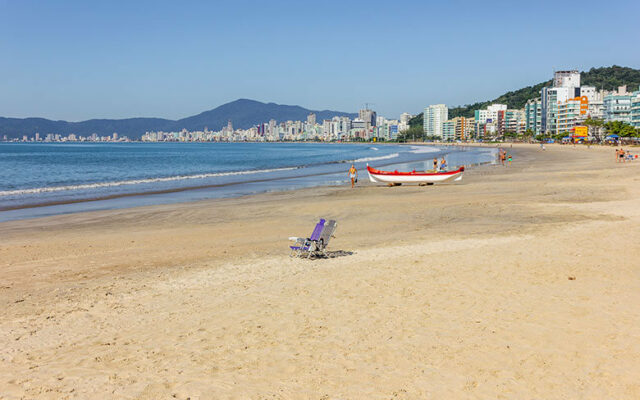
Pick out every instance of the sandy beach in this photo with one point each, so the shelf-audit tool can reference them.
(517, 283)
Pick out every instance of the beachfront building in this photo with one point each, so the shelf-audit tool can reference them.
(617, 105)
(635, 108)
(458, 128)
(465, 128)
(403, 125)
(311, 119)
(532, 113)
(571, 113)
(386, 129)
(449, 131)
(550, 98)
(569, 79)
(368, 116)
(591, 93)
(490, 121)
(490, 114)
(566, 85)
(514, 121)
(434, 117)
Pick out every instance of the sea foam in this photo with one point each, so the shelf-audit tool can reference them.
(366, 159)
(423, 149)
(135, 182)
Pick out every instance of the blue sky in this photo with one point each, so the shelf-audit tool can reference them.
(77, 60)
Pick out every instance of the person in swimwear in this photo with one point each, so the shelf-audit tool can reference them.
(353, 175)
(443, 164)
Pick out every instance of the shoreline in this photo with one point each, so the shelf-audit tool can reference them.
(99, 198)
(502, 286)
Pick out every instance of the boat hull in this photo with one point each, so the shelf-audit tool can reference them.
(378, 176)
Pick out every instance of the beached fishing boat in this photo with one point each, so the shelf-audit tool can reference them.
(396, 177)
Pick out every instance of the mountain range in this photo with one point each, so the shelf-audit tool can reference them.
(243, 113)
(246, 113)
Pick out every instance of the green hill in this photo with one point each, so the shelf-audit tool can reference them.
(607, 78)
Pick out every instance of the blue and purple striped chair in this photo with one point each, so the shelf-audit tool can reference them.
(307, 246)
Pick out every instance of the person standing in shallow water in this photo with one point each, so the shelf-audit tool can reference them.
(435, 164)
(353, 175)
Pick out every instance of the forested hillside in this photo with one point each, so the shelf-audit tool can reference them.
(607, 78)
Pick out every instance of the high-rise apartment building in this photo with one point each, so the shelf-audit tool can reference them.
(617, 105)
(449, 131)
(533, 111)
(404, 122)
(566, 85)
(635, 108)
(434, 117)
(458, 128)
(550, 97)
(568, 79)
(311, 119)
(514, 121)
(368, 116)
(490, 121)
(489, 114)
(404, 118)
(571, 113)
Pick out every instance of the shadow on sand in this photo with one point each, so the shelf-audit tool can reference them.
(332, 254)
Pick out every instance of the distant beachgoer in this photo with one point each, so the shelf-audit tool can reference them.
(503, 156)
(621, 155)
(353, 175)
(435, 164)
(509, 158)
(443, 164)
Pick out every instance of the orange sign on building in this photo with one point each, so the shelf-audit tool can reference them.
(581, 131)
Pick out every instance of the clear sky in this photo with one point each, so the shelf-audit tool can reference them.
(77, 60)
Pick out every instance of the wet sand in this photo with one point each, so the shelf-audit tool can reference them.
(519, 282)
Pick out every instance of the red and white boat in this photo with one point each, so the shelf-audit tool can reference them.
(396, 177)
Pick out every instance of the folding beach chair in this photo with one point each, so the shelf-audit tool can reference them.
(304, 246)
(325, 237)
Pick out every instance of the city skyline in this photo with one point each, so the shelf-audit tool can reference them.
(76, 61)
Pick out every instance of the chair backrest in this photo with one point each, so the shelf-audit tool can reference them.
(329, 229)
(315, 235)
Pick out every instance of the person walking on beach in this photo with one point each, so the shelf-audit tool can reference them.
(503, 156)
(353, 175)
(443, 164)
(509, 158)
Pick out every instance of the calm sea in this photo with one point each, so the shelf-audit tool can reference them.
(50, 178)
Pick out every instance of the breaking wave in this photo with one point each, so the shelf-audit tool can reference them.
(423, 149)
(136, 181)
(366, 159)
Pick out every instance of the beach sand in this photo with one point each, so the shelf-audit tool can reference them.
(517, 283)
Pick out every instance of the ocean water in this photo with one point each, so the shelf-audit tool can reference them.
(51, 178)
